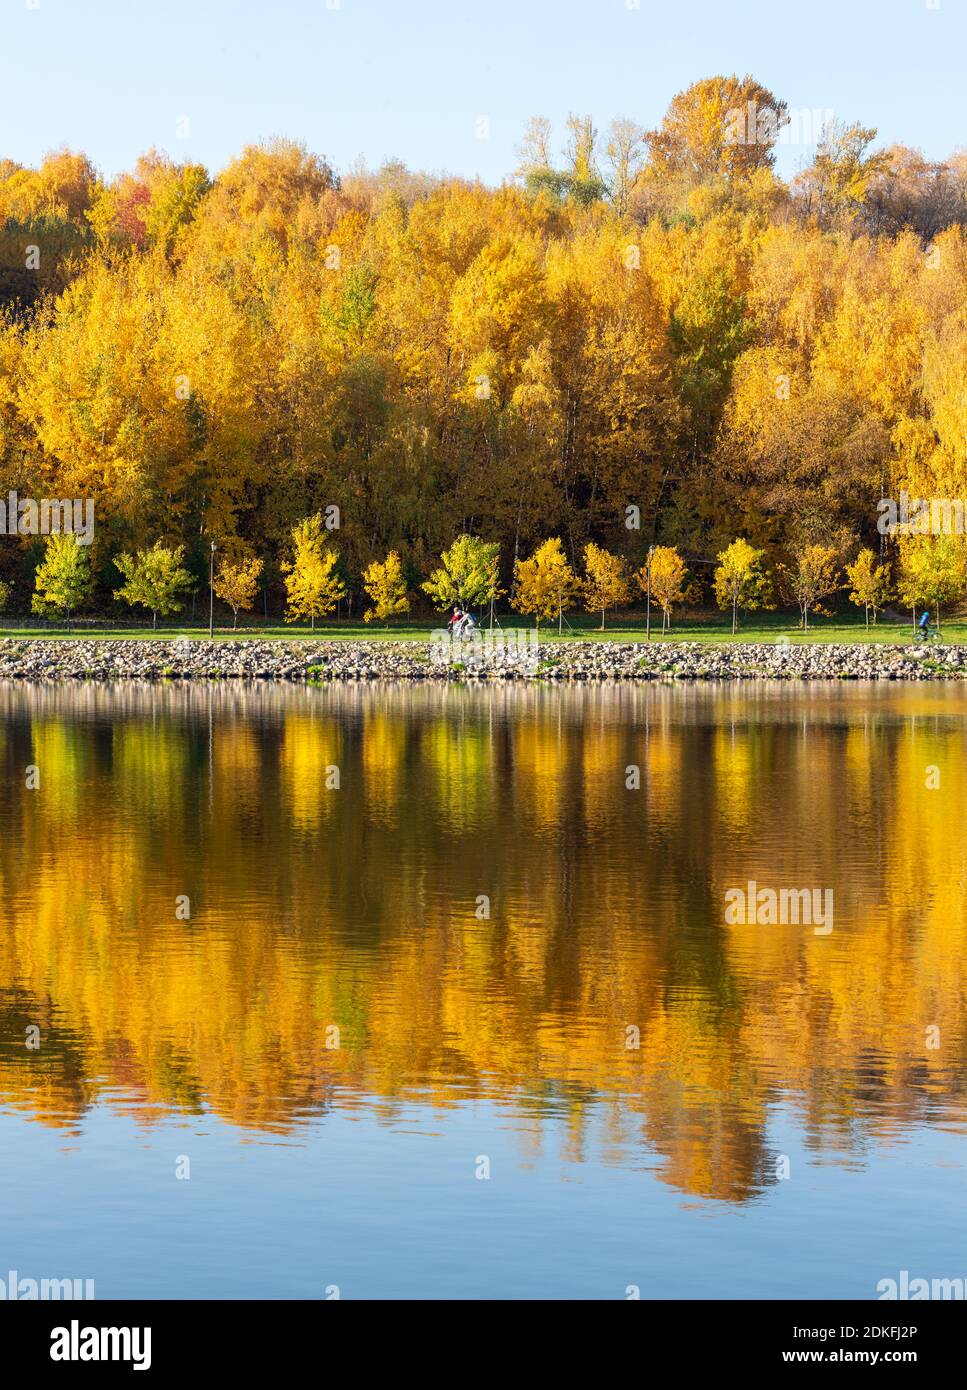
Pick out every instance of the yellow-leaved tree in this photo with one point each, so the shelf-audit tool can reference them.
(545, 584)
(740, 579)
(605, 582)
(812, 575)
(154, 578)
(668, 575)
(237, 583)
(869, 583)
(385, 584)
(932, 569)
(63, 582)
(469, 573)
(312, 585)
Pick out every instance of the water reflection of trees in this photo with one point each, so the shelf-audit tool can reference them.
(356, 907)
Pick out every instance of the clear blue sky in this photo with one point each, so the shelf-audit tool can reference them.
(410, 78)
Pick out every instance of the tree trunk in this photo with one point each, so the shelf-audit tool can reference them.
(602, 619)
(735, 600)
(154, 620)
(234, 619)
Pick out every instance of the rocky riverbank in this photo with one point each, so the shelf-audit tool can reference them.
(183, 659)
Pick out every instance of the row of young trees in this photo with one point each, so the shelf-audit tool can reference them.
(930, 570)
(545, 586)
(658, 321)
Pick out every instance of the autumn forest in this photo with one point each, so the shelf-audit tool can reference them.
(636, 319)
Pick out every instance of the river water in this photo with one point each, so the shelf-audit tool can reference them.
(481, 993)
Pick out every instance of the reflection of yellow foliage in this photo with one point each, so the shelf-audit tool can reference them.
(309, 748)
(601, 763)
(365, 920)
(460, 761)
(238, 762)
(734, 786)
(540, 771)
(384, 747)
(59, 756)
(150, 764)
(661, 766)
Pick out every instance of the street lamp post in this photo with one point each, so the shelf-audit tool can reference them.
(651, 550)
(211, 594)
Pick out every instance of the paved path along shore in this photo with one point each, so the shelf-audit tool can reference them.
(296, 660)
